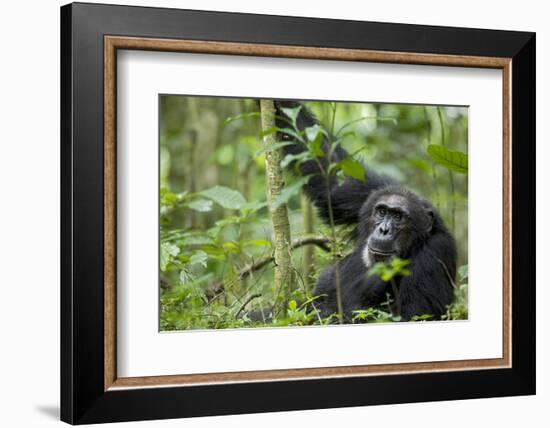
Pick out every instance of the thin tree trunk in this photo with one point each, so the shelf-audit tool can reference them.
(307, 212)
(279, 216)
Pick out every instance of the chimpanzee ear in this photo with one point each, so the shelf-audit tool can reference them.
(431, 216)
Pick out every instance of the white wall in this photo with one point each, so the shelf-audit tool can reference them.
(29, 230)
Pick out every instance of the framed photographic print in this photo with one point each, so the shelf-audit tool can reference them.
(265, 213)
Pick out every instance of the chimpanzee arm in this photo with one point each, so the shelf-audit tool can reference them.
(346, 197)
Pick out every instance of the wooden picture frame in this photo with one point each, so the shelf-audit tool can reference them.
(91, 390)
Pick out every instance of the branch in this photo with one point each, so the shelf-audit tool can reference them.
(319, 241)
(246, 302)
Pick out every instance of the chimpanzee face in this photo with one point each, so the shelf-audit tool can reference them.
(393, 223)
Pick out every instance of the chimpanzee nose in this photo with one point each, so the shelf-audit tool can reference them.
(384, 229)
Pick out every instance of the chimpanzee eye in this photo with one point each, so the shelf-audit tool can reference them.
(382, 211)
(398, 216)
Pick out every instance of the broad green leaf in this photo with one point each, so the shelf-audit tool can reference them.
(315, 136)
(352, 168)
(199, 258)
(455, 161)
(289, 191)
(312, 132)
(224, 196)
(316, 147)
(292, 113)
(201, 205)
(167, 252)
(292, 305)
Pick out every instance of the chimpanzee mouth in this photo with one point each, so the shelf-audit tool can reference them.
(381, 253)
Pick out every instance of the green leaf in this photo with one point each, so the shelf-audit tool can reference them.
(257, 243)
(167, 197)
(268, 131)
(275, 146)
(224, 196)
(292, 305)
(462, 273)
(231, 247)
(352, 168)
(185, 276)
(388, 270)
(422, 317)
(292, 113)
(300, 157)
(199, 258)
(421, 164)
(315, 136)
(201, 205)
(241, 116)
(291, 133)
(289, 191)
(167, 252)
(251, 207)
(316, 147)
(377, 118)
(455, 161)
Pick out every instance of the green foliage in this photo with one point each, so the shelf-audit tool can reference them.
(201, 205)
(458, 310)
(352, 168)
(227, 198)
(372, 315)
(213, 203)
(391, 269)
(167, 253)
(315, 135)
(423, 317)
(452, 160)
(292, 114)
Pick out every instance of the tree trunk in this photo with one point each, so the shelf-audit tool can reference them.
(279, 216)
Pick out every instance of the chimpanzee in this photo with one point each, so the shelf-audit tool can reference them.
(390, 221)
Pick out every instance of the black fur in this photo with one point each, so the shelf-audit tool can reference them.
(432, 253)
